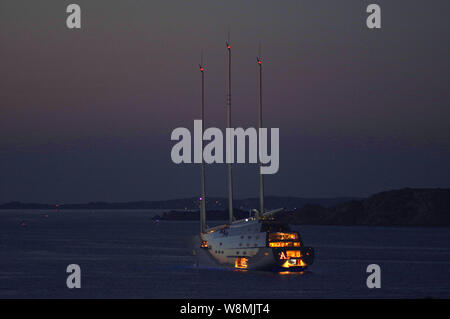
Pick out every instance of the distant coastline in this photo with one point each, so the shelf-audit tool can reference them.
(192, 203)
(403, 207)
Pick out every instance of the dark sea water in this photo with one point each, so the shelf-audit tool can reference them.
(123, 254)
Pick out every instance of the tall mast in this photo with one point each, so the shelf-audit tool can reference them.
(230, 173)
(203, 198)
(261, 178)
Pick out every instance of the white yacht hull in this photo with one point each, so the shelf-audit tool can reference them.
(244, 245)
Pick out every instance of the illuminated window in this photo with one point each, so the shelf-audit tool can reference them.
(284, 244)
(204, 244)
(293, 253)
(294, 263)
(282, 236)
(241, 262)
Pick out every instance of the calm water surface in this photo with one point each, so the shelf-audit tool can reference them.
(124, 254)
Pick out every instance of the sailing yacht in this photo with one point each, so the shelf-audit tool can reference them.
(259, 242)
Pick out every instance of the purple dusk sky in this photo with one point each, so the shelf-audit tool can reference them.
(87, 114)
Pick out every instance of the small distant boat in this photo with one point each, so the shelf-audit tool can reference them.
(255, 243)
